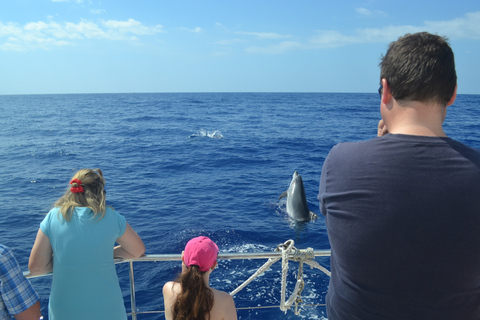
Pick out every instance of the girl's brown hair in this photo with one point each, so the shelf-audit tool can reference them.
(196, 300)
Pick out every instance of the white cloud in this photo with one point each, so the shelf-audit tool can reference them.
(27, 38)
(97, 11)
(363, 11)
(9, 29)
(367, 12)
(45, 35)
(81, 30)
(26, 42)
(119, 30)
(36, 26)
(330, 39)
(194, 30)
(467, 27)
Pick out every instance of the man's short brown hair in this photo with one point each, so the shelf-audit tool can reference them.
(420, 67)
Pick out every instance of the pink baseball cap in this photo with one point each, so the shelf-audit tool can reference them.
(202, 252)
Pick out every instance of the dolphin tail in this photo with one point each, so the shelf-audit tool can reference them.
(283, 195)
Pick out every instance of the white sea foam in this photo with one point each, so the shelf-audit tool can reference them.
(216, 134)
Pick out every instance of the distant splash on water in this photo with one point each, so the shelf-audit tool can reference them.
(204, 133)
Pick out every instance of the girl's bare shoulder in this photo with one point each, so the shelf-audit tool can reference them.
(171, 287)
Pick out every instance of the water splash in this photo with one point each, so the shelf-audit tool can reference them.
(204, 133)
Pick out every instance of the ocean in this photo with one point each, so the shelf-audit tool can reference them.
(180, 165)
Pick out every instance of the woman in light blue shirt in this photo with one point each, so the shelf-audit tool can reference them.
(76, 241)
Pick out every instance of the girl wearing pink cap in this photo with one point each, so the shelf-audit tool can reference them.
(190, 297)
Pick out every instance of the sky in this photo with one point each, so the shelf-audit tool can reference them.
(116, 46)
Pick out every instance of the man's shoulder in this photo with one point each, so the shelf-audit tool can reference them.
(353, 146)
(465, 149)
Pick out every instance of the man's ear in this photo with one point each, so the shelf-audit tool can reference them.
(387, 93)
(452, 99)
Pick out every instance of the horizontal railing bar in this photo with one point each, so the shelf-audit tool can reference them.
(221, 256)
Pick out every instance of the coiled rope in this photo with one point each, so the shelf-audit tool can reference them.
(289, 252)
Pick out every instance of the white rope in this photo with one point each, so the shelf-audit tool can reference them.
(295, 296)
(286, 248)
(261, 270)
(302, 256)
(314, 264)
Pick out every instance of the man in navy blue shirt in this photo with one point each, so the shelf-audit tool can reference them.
(403, 209)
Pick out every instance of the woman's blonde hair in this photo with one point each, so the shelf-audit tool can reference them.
(92, 196)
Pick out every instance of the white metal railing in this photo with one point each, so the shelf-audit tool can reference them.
(178, 257)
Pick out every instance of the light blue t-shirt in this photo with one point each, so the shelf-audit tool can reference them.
(85, 283)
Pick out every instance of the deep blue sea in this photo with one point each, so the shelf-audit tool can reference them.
(181, 165)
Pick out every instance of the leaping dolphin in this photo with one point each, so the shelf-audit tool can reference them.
(297, 206)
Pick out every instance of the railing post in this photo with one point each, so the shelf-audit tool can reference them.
(132, 291)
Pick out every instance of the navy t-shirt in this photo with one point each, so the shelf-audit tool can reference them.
(403, 220)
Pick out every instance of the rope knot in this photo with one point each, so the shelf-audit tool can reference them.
(303, 254)
(286, 247)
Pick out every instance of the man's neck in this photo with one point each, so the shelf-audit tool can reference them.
(416, 118)
(418, 130)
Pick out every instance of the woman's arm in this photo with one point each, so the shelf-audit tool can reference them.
(41, 257)
(130, 245)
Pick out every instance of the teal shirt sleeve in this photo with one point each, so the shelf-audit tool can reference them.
(45, 224)
(122, 223)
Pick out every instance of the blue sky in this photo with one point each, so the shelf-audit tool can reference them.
(109, 46)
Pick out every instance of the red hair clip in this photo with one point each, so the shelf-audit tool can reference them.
(78, 188)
